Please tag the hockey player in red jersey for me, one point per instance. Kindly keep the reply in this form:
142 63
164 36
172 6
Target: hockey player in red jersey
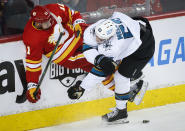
40 36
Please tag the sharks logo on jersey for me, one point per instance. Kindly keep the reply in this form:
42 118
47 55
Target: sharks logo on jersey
107 45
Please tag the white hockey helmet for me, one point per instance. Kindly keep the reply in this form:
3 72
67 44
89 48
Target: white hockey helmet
105 30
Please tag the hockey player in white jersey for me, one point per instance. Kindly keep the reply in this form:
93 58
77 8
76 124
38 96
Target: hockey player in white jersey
121 46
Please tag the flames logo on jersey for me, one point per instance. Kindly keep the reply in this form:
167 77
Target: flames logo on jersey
54 37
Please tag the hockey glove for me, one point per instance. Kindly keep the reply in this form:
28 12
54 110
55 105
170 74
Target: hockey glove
75 92
29 94
106 64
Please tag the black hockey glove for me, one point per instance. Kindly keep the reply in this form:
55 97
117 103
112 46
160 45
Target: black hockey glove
75 92
106 64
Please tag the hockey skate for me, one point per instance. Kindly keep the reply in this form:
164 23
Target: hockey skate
117 116
136 78
137 94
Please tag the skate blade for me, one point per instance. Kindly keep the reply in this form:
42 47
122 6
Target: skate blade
121 121
139 97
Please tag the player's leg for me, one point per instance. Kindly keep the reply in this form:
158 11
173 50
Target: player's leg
122 89
143 54
110 84
77 60
136 78
132 65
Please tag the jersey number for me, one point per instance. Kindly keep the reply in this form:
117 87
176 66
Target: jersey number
121 32
61 7
28 50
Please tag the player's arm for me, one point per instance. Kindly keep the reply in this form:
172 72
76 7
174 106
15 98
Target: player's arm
90 53
33 71
76 20
33 63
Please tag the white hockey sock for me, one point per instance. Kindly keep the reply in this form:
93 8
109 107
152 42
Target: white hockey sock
121 104
122 84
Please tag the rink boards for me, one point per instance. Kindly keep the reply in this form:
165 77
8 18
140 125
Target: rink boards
165 74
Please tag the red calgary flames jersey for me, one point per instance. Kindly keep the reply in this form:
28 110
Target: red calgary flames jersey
39 42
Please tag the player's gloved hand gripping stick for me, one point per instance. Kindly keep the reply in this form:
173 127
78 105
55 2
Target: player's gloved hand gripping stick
51 57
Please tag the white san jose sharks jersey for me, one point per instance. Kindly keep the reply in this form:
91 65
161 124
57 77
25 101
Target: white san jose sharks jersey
125 42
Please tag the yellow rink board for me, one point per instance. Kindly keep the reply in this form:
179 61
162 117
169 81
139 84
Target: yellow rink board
84 110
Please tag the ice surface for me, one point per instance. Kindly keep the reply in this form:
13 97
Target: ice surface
164 118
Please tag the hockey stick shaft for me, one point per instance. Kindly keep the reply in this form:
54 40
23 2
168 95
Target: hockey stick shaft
47 65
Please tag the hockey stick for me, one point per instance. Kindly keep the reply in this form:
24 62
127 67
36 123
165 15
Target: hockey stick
51 57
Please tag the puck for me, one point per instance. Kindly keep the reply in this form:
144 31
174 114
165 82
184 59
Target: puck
146 121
